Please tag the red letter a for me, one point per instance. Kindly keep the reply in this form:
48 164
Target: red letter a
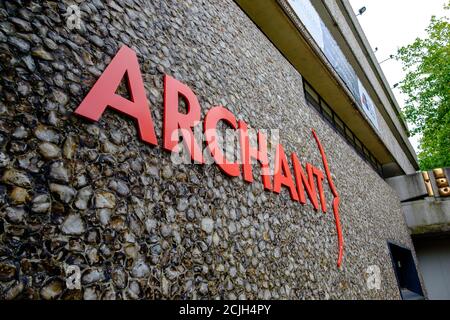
103 94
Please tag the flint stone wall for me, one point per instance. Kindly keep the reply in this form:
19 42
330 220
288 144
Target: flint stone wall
93 195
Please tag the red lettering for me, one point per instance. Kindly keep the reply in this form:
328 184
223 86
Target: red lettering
103 94
282 175
125 63
336 200
303 183
319 178
260 154
213 116
175 121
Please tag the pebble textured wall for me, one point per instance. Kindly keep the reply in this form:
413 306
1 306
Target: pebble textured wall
73 192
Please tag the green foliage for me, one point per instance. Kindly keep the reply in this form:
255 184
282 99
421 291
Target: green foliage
427 86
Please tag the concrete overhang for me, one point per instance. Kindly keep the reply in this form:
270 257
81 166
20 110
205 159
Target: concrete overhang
409 187
393 116
427 216
425 206
300 50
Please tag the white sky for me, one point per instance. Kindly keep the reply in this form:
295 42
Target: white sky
391 24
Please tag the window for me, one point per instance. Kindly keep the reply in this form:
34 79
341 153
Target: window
339 125
326 111
405 272
349 136
359 146
328 114
311 93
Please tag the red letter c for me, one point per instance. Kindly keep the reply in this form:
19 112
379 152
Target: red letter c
213 116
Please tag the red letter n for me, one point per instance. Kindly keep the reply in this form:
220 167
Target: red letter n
303 183
103 94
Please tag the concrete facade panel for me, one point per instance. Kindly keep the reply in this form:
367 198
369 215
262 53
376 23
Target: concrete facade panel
394 146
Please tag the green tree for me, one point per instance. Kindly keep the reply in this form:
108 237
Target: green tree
427 86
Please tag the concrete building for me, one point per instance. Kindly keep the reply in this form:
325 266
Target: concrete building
94 206
426 206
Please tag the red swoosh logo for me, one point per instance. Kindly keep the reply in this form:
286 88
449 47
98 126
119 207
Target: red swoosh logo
335 200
